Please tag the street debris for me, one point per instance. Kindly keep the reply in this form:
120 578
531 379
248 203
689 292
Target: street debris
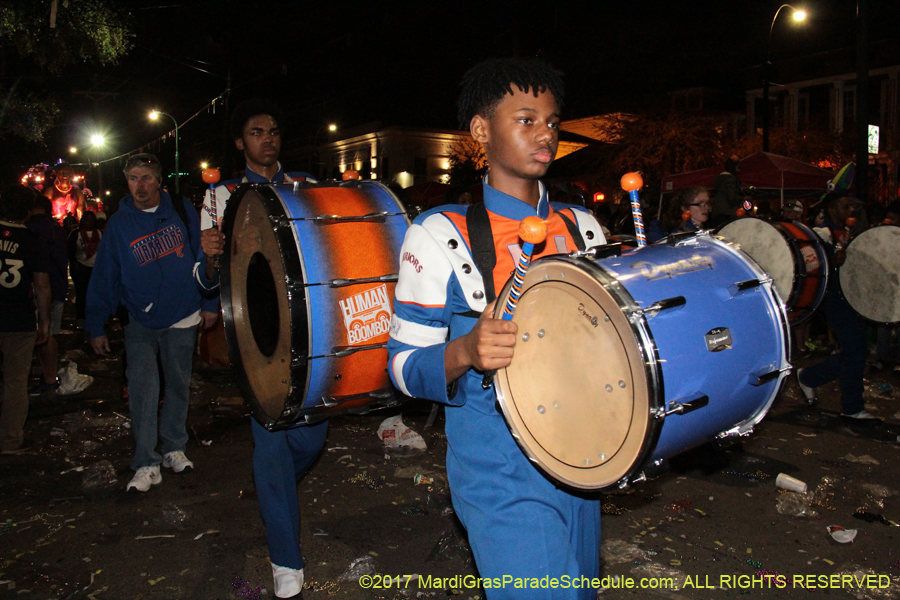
399 438
841 535
99 476
364 565
71 381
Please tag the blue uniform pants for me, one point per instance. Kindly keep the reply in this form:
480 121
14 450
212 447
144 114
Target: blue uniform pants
280 460
850 363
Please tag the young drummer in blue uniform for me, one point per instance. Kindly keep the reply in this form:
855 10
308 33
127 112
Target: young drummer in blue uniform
521 524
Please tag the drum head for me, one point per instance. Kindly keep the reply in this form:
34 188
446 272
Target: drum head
576 396
767 247
870 277
256 301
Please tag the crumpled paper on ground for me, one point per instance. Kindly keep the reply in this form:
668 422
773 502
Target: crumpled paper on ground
71 381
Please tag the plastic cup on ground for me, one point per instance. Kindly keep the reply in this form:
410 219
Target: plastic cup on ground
786 482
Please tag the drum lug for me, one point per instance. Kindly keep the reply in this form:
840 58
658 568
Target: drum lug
279 222
653 310
761 377
683 408
598 252
750 284
383 394
685 238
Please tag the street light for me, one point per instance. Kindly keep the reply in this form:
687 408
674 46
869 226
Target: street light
154 114
97 142
73 150
798 15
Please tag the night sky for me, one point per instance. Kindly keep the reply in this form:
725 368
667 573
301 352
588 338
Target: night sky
400 62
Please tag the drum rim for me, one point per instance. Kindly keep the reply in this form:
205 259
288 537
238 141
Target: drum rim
746 427
841 281
298 311
821 255
652 370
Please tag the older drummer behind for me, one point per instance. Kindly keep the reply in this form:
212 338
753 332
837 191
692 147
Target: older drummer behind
280 458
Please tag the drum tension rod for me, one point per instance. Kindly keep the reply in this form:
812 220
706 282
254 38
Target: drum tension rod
683 408
377 394
652 310
757 379
336 352
743 286
597 252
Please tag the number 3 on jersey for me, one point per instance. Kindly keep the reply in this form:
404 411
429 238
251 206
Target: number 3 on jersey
11 275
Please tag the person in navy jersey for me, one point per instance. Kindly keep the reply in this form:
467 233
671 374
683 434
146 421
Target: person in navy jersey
280 458
520 523
147 261
53 235
24 283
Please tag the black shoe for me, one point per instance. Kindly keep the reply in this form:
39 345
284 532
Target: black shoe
27 445
44 389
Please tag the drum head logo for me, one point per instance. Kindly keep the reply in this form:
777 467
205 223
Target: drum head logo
810 258
367 314
718 339
688 265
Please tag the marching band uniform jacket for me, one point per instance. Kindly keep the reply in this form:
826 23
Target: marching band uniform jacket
520 523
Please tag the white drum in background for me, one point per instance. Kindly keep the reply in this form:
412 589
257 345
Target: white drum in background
870 277
791 254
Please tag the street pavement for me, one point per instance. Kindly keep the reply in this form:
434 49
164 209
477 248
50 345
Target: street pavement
714 526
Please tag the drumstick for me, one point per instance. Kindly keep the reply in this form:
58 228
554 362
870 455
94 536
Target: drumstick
631 183
532 230
211 176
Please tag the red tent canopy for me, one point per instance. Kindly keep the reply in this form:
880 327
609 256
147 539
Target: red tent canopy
762 170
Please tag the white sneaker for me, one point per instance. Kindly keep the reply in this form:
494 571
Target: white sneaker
144 478
177 461
862 415
288 582
809 393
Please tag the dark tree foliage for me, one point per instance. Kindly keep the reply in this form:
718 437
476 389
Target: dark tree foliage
85 31
467 163
94 31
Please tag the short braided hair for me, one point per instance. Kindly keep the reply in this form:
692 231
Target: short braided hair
485 85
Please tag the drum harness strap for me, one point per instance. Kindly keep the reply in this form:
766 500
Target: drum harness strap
481 241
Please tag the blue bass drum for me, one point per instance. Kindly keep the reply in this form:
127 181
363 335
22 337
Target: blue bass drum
624 361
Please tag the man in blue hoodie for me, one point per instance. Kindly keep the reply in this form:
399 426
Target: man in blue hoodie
147 261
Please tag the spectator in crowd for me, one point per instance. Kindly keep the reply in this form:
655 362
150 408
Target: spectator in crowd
24 266
694 203
82 252
53 236
728 193
146 262
458 195
792 210
280 458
